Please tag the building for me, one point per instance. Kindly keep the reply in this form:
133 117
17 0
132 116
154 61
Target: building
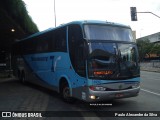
134 35
153 38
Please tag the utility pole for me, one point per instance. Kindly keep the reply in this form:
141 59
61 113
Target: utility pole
150 13
134 13
55 12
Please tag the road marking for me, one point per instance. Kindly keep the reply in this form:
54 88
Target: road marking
150 92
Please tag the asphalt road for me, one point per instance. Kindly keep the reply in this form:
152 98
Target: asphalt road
15 96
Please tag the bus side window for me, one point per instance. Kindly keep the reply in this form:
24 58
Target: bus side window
76 48
52 42
60 40
29 47
42 44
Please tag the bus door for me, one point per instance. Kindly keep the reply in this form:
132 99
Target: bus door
77 53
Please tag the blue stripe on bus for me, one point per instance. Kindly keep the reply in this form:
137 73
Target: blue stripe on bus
97 82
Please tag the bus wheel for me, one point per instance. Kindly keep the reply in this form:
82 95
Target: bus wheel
65 93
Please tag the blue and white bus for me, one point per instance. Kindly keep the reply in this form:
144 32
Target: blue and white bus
87 60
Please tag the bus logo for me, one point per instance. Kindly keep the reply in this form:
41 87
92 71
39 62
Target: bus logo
6 114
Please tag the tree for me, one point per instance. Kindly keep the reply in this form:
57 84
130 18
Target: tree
16 9
156 50
144 48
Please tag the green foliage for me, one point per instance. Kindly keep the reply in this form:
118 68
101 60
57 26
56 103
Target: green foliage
156 49
17 10
145 47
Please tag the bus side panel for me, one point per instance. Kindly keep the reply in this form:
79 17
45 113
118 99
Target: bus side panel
49 68
65 70
39 69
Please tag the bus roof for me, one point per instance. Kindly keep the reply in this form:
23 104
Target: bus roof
98 22
80 23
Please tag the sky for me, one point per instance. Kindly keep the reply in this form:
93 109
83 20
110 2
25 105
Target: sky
42 13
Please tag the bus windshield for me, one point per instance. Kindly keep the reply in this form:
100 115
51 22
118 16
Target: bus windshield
108 32
112 60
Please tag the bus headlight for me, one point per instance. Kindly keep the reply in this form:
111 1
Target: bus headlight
93 97
97 88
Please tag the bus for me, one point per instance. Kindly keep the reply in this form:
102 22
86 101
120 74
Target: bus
87 60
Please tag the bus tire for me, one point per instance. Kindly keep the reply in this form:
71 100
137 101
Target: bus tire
65 92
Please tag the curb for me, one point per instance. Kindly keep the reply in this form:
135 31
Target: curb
150 70
7 79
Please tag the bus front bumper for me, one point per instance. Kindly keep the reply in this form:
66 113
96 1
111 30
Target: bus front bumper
94 96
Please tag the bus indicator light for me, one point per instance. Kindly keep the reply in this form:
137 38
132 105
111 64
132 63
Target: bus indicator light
97 88
108 72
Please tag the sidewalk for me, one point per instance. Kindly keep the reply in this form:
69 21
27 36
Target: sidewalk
6 77
150 69
150 66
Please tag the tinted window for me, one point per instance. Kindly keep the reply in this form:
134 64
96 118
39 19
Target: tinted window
42 43
53 41
60 39
77 49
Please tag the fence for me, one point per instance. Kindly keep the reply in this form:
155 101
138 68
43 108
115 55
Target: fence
150 66
154 64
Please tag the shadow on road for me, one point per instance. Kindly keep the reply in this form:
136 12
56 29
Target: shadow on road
13 91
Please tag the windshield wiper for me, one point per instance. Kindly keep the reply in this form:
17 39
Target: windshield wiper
102 61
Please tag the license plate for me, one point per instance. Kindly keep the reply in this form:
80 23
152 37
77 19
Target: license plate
119 95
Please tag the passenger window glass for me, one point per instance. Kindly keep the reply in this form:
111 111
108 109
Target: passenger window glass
60 40
76 49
